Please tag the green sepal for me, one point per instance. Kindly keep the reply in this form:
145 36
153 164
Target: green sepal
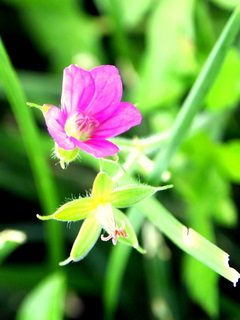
72 211
121 218
43 108
86 238
113 158
127 196
65 156
102 187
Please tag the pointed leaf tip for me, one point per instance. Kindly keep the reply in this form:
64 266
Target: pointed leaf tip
63 263
168 186
45 217
140 249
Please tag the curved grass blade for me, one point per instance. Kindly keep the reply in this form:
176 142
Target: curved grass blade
45 186
188 240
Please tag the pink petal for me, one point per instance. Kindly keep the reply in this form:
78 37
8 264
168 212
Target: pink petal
77 89
55 121
98 148
125 117
108 91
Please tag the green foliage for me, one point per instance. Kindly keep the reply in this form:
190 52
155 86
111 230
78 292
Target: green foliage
9 241
163 68
179 61
225 91
46 301
228 157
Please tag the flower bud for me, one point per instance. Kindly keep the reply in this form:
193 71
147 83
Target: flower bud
65 156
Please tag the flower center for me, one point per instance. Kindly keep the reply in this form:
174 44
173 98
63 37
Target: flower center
106 217
80 127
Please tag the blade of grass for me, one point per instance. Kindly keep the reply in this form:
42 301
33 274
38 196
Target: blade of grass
188 240
196 96
47 192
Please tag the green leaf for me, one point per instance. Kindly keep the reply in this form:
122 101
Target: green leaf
127 196
227 4
228 160
201 282
29 133
46 301
188 240
199 213
225 92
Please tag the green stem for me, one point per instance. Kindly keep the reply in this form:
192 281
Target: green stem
47 192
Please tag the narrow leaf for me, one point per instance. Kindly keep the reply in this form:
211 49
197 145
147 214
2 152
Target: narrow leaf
189 240
29 133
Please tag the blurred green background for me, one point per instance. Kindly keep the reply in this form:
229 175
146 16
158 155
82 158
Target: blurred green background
159 47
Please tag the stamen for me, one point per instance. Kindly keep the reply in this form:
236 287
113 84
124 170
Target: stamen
114 234
86 123
106 238
81 126
121 232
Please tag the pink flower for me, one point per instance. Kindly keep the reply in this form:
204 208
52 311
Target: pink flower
91 111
